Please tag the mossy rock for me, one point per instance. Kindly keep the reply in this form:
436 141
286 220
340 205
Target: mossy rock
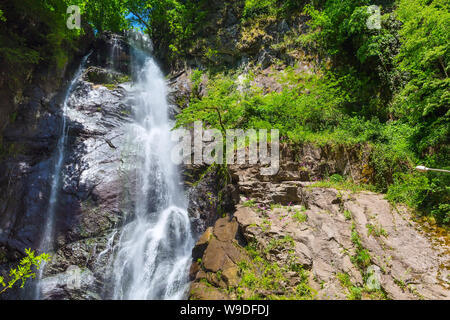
105 77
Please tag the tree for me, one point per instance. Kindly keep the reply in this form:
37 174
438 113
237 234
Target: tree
362 58
424 57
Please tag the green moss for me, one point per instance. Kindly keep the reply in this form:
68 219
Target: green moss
362 256
123 79
285 242
206 282
110 86
265 225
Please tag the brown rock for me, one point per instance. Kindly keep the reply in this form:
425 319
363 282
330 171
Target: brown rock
226 230
214 256
202 243
201 291
230 275
247 217
195 268
200 275
216 279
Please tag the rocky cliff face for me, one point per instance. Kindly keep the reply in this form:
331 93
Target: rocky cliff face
93 196
330 245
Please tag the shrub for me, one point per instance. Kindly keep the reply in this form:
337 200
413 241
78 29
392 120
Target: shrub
24 270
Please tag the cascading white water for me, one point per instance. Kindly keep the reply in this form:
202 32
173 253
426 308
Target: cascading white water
46 242
115 52
154 250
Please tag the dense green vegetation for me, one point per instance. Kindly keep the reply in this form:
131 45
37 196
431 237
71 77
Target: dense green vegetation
34 32
259 274
387 87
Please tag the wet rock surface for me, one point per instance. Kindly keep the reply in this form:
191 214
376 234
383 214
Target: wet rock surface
94 193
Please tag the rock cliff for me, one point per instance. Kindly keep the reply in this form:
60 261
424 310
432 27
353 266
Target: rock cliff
93 198
329 244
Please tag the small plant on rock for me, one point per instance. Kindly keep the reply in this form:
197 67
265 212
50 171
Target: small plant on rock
24 270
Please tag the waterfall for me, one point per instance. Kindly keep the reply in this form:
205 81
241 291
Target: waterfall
153 254
46 242
114 53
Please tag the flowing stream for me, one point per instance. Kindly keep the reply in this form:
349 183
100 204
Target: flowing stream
46 243
154 250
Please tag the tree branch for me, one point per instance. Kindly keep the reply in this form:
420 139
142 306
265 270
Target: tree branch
220 117
139 17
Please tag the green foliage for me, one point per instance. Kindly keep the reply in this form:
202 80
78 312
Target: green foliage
376 230
387 88
254 8
424 103
361 258
396 81
342 185
409 189
424 56
296 115
361 58
249 203
172 24
354 292
427 193
196 79
24 270
347 215
259 274
218 108
279 244
336 178
34 32
105 14
300 216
